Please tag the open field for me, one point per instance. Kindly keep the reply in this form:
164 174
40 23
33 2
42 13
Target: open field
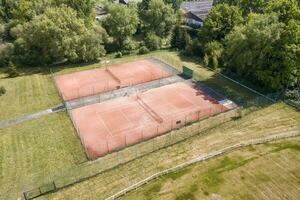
33 150
31 92
272 120
258 172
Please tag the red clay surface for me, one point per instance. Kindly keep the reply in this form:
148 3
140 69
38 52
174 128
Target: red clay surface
90 82
114 124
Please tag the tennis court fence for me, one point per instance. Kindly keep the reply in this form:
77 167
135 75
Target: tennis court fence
91 169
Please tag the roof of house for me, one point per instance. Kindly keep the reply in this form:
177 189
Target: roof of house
199 8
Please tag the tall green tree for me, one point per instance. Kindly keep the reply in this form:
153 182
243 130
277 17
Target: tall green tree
286 9
57 35
254 51
291 51
246 6
175 3
159 18
180 38
122 22
84 8
213 52
220 21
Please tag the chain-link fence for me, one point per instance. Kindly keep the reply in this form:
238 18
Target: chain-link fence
90 169
179 130
200 159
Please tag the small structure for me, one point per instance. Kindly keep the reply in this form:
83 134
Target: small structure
196 11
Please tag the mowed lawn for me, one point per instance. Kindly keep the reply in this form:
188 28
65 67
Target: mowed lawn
31 92
33 151
272 120
259 172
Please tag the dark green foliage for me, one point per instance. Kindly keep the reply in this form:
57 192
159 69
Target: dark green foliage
220 21
143 50
257 51
55 36
213 53
6 52
129 45
246 6
121 23
2 90
175 3
12 70
286 9
152 41
180 38
119 55
193 48
159 18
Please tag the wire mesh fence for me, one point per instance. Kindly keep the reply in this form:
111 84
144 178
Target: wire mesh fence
200 159
178 133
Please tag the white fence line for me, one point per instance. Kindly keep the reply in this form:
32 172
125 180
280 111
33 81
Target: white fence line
203 158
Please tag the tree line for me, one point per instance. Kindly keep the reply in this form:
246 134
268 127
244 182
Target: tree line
257 40
41 32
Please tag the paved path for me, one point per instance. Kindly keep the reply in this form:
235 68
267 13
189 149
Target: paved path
17 120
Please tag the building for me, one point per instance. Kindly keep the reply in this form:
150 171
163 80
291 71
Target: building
196 11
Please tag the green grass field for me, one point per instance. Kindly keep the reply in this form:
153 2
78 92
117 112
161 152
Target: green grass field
258 172
272 120
34 151
31 92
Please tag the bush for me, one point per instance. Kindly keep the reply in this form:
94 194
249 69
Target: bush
119 54
180 38
143 50
2 90
129 45
152 41
6 53
12 70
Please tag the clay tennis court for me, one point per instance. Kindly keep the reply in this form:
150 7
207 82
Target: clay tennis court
111 125
91 82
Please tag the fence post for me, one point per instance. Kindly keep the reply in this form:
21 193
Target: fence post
55 188
25 197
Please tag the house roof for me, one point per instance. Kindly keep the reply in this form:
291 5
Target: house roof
198 8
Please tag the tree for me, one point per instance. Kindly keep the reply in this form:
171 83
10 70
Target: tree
84 8
180 38
246 6
175 3
122 22
152 41
213 52
286 9
57 35
159 18
291 51
220 21
254 50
